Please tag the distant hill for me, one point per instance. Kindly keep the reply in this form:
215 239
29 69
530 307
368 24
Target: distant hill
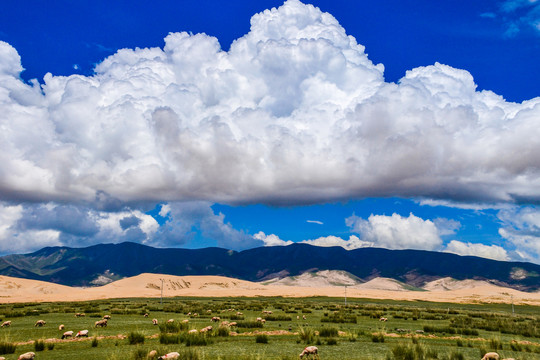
98 264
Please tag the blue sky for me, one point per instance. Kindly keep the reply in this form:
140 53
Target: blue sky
238 124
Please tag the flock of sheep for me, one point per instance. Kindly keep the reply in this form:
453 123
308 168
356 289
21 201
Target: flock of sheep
311 352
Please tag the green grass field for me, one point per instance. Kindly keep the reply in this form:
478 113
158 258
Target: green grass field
414 330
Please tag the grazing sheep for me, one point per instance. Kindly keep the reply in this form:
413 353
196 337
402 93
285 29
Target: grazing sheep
6 323
107 317
27 356
185 321
171 355
311 351
145 315
239 313
82 333
491 356
101 323
61 327
232 324
383 319
152 354
216 318
154 321
40 323
79 315
304 317
2 358
67 334
193 331
170 321
206 329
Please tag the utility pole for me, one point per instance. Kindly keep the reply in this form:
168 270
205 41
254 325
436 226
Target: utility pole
512 305
161 302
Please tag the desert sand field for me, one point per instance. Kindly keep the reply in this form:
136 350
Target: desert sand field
149 285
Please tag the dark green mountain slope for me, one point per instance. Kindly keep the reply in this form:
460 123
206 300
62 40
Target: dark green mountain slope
82 266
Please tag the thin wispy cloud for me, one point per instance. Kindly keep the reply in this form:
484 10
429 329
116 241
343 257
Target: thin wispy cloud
315 222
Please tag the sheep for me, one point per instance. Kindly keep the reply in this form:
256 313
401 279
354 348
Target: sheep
311 351
170 321
491 356
6 323
82 333
67 334
79 315
193 331
216 318
107 317
171 355
383 319
185 321
152 354
145 315
101 323
40 323
154 321
61 327
2 358
304 317
232 324
206 329
27 356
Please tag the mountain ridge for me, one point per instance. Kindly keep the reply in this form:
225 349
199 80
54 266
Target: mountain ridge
82 266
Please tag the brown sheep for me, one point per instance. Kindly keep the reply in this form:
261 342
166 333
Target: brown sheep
491 356
101 323
311 351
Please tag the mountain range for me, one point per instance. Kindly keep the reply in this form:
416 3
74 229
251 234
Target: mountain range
103 263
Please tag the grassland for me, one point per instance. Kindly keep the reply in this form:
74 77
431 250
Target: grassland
414 330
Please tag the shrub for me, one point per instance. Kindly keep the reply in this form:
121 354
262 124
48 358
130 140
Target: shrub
139 354
249 324
377 338
135 338
306 334
39 345
331 341
7 348
223 331
328 332
261 339
169 339
190 354
172 327
94 342
50 346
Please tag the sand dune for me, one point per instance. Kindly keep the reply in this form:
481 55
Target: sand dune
149 285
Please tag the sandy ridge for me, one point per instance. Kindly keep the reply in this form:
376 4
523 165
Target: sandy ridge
149 285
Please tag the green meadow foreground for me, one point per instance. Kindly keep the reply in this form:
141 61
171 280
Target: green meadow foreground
357 330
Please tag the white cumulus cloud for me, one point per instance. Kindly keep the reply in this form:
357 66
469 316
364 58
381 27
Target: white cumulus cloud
294 112
493 252
397 232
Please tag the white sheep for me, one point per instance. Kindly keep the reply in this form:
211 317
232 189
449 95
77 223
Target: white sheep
82 333
171 355
170 321
383 319
152 354
61 327
107 317
6 323
27 356
101 323
491 356
311 351
40 323
193 331
154 321
67 334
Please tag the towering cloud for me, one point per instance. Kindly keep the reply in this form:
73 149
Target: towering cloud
294 112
